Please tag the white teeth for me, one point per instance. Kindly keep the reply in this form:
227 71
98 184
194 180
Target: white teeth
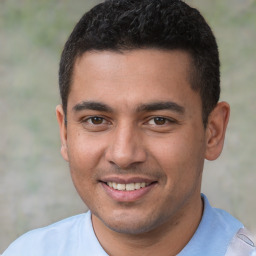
127 187
120 186
137 185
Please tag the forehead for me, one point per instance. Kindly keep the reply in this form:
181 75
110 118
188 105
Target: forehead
118 63
131 77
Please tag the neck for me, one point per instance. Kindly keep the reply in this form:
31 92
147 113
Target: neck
168 239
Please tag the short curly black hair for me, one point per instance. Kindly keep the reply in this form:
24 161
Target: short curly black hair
119 25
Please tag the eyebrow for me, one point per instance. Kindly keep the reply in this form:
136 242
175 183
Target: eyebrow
162 105
154 106
92 105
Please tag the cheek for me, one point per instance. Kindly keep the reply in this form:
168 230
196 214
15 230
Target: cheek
83 160
84 151
181 157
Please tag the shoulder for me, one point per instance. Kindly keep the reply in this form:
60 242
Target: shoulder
51 239
219 218
214 233
225 219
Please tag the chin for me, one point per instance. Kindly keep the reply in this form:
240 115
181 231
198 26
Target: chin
131 225
129 228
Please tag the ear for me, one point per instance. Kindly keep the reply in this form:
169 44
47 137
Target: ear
216 129
63 131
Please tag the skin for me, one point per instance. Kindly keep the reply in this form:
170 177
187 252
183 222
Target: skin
148 126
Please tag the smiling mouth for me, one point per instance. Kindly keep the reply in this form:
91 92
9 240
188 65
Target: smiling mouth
127 187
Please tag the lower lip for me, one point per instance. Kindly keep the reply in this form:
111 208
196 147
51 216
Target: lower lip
127 196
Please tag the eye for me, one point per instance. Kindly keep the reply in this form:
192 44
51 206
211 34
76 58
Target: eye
159 121
95 123
95 120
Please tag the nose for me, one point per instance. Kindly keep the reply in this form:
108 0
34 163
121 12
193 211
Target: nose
126 147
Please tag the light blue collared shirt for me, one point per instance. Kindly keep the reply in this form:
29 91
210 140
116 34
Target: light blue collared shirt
214 233
75 236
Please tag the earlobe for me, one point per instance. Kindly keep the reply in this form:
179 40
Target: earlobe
63 131
216 129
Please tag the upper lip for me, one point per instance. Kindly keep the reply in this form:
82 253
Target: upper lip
126 180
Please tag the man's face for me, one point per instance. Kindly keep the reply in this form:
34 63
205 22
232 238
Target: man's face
134 139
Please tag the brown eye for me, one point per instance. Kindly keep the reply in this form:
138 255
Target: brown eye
159 120
96 120
96 124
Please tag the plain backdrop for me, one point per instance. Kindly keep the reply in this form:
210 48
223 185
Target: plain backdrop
35 185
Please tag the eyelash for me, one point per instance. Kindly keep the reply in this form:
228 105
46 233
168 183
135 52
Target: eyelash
161 119
90 120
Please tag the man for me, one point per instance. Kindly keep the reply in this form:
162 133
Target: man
139 82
